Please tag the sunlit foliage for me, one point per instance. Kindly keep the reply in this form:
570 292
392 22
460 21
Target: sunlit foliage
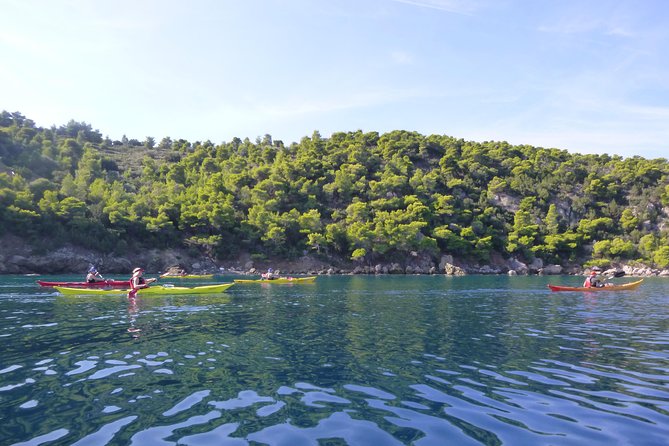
355 196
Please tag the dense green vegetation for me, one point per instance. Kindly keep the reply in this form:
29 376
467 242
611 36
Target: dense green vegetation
360 196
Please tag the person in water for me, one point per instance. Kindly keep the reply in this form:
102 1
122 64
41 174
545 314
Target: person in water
593 281
94 276
137 282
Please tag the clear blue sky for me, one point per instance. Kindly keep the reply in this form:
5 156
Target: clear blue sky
589 76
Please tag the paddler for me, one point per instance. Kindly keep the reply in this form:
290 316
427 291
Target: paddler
137 282
593 280
269 275
94 276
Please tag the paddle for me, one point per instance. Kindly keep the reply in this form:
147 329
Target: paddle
609 276
133 292
102 279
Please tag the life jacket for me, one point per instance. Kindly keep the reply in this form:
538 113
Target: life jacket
140 281
589 282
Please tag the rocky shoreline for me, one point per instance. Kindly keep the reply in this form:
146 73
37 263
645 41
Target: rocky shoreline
19 258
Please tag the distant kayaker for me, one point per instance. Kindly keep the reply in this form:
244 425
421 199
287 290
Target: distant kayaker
593 281
269 275
137 282
94 276
179 273
174 272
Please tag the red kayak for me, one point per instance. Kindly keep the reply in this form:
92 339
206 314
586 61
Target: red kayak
109 283
624 286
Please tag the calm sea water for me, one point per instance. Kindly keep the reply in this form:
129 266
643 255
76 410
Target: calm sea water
478 360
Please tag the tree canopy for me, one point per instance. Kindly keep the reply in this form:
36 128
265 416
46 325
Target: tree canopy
355 195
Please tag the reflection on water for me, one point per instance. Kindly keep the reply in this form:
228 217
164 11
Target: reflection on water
347 360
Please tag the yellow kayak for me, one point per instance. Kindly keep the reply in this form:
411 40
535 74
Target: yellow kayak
279 280
152 290
187 276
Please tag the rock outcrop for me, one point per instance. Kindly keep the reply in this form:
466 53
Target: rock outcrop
18 257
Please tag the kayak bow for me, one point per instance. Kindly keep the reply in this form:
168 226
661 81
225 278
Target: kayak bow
152 290
625 286
108 283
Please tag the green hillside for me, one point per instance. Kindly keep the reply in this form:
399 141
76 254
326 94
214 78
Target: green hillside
362 196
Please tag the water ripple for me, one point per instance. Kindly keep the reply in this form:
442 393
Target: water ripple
422 361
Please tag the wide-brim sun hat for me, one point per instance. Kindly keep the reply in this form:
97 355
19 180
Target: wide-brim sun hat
137 270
